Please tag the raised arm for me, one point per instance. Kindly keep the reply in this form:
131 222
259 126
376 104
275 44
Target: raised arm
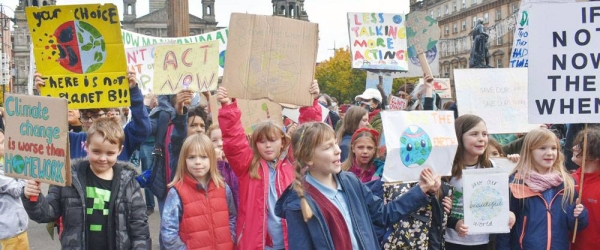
235 145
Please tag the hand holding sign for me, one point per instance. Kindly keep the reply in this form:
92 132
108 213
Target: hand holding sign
423 34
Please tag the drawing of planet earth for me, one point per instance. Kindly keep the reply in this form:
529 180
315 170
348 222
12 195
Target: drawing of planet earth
429 54
18 164
485 203
81 47
415 146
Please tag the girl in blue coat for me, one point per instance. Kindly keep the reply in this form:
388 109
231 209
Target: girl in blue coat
542 197
326 208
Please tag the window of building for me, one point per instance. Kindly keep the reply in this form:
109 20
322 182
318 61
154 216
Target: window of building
454 7
431 13
439 12
464 4
474 2
464 25
499 40
499 63
455 28
514 7
447 11
447 30
498 14
474 21
486 17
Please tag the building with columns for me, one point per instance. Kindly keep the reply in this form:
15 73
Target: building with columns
290 8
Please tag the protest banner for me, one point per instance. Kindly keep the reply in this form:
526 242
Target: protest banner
373 81
485 200
275 58
187 66
79 52
414 66
441 86
134 40
504 163
519 58
378 41
397 103
416 140
141 60
497 95
36 143
565 60
423 34
253 112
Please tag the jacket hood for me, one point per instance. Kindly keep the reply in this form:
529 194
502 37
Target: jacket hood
289 200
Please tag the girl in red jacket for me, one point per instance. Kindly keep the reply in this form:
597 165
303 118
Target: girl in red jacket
199 210
264 169
590 237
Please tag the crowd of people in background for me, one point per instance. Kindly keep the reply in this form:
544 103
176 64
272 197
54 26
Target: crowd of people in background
314 184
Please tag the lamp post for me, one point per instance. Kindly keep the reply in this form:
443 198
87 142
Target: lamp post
5 76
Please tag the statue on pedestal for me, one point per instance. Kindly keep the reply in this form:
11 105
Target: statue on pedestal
480 56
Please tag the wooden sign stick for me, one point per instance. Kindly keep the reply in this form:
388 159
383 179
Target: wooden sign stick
585 133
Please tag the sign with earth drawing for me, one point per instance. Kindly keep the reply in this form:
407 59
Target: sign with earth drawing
417 140
79 51
485 200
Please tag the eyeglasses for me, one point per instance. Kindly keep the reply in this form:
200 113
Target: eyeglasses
91 117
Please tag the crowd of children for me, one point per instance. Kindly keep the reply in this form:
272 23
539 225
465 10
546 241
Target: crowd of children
291 187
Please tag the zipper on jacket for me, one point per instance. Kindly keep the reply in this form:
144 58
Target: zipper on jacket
549 216
523 231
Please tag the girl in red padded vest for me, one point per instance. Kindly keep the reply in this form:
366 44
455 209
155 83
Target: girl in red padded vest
199 211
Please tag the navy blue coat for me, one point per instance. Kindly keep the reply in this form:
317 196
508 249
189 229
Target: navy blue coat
365 208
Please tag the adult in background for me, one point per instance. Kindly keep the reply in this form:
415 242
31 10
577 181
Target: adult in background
371 100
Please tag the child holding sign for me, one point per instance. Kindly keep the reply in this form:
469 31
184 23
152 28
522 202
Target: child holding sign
115 217
542 197
13 226
199 210
327 208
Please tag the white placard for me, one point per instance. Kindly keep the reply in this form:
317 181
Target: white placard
497 95
485 197
564 60
416 140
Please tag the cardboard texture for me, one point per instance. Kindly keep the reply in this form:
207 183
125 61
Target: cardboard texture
36 142
270 57
253 112
80 55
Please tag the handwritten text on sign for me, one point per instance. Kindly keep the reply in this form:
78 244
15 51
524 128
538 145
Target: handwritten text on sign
378 41
485 198
79 50
188 66
565 59
36 139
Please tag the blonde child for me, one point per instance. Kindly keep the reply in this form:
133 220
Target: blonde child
327 208
199 209
216 137
264 169
13 226
542 197
362 159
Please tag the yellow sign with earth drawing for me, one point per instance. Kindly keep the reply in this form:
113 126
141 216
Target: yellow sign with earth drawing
79 51
186 66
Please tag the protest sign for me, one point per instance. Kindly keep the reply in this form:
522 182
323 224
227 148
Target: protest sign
441 86
423 34
36 142
275 58
564 63
485 200
416 140
378 41
397 103
141 60
253 112
497 95
134 40
414 66
504 163
373 81
187 66
79 52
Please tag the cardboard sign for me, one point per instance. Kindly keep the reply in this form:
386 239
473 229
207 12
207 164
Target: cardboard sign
36 142
397 103
253 112
271 57
373 81
187 66
485 197
416 140
79 52
134 40
422 32
414 66
564 63
497 95
378 41
441 86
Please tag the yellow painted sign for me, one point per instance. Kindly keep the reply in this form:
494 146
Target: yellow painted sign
186 66
79 51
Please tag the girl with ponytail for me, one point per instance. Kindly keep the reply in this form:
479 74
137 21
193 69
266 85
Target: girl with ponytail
327 208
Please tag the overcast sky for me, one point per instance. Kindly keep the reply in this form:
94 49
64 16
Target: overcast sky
329 14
